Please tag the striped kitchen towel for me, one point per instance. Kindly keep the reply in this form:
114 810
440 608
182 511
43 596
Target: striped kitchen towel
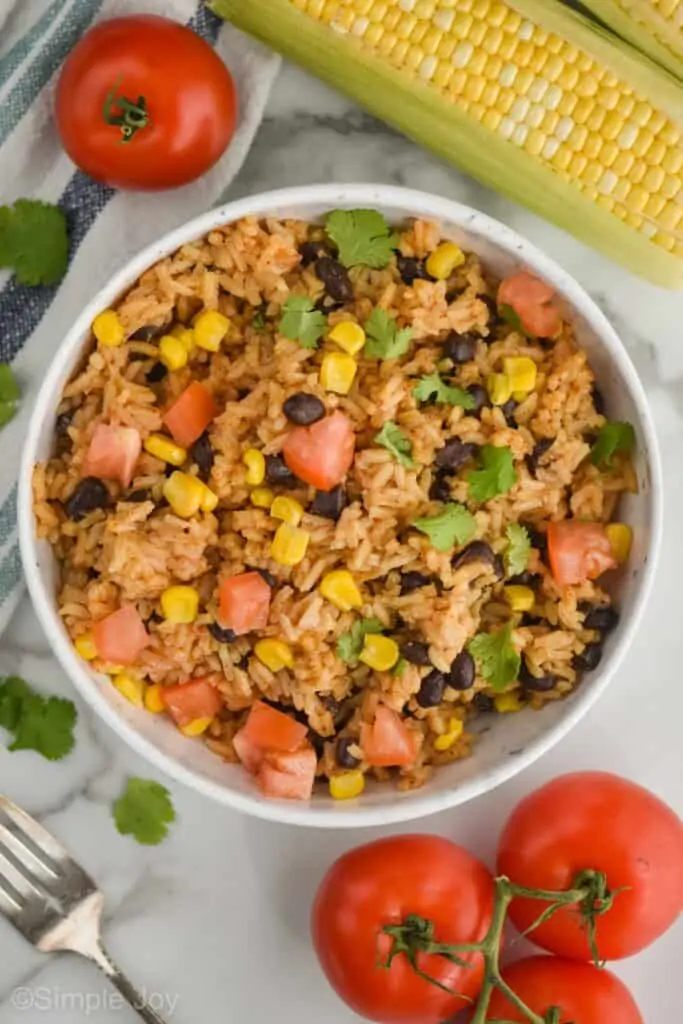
106 226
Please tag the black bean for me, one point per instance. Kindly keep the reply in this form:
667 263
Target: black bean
476 551
492 307
461 348
462 671
440 488
141 494
481 398
63 422
330 504
524 579
263 573
528 619
343 716
598 400
277 472
312 251
148 332
344 757
540 448
243 662
535 684
601 617
537 538
202 454
508 411
411 269
454 454
431 690
169 470
156 374
589 658
87 496
336 279
303 409
415 652
222 633
483 703
412 580
498 567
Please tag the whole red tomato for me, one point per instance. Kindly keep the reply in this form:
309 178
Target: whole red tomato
583 993
144 103
382 884
594 820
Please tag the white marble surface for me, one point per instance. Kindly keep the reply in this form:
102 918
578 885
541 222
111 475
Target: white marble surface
214 921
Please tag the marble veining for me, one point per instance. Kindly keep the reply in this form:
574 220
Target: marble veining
213 923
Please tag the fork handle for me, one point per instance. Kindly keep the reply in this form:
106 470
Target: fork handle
125 987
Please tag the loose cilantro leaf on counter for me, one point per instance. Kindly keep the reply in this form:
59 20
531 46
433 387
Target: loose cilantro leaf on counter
144 811
455 525
385 340
43 724
350 644
34 241
9 394
496 656
302 322
496 475
362 237
518 549
432 387
395 441
613 438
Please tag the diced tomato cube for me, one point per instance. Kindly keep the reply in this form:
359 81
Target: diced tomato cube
388 742
273 730
321 454
578 551
121 637
190 415
250 754
533 301
244 602
289 776
113 453
186 702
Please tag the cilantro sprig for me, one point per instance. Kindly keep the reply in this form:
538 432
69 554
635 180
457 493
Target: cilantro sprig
34 241
518 550
385 339
350 644
613 438
496 656
43 724
9 394
302 322
454 525
144 811
496 474
395 441
362 237
432 388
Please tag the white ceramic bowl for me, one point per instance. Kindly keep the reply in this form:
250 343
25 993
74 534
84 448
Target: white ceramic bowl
508 743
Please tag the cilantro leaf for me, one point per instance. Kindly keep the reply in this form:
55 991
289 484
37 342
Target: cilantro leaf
144 811
350 644
43 724
518 549
455 525
399 668
302 322
496 476
614 437
9 394
13 693
395 441
34 241
510 316
497 659
431 386
385 340
362 237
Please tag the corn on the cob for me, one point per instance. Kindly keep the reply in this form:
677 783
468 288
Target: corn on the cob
544 105
653 26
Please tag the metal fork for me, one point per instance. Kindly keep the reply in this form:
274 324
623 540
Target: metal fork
52 901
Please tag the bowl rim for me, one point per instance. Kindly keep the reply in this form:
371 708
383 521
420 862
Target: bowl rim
415 203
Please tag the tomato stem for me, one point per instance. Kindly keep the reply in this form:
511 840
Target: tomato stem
126 114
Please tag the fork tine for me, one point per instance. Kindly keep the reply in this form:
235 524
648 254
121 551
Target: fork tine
39 837
22 885
24 854
10 901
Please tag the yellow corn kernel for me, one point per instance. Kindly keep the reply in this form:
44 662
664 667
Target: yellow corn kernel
349 336
499 388
210 328
442 262
289 545
180 604
340 589
506 702
130 687
337 372
347 786
153 699
379 652
165 449
184 493
196 728
209 499
262 497
520 599
274 654
455 729
521 371
620 537
184 334
255 462
85 647
172 352
108 329
287 509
